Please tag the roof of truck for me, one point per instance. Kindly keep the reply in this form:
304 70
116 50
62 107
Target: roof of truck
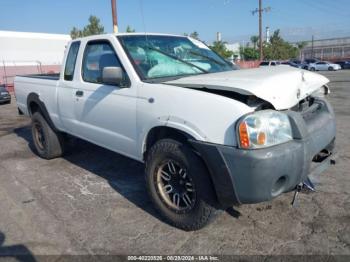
145 33
123 34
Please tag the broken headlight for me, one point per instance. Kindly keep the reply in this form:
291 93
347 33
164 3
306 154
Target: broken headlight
321 92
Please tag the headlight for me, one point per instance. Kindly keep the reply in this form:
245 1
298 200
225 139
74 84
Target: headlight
263 129
4 93
322 91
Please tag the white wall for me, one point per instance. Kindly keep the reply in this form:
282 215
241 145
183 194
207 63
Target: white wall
234 48
21 48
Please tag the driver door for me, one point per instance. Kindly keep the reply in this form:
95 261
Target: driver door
106 114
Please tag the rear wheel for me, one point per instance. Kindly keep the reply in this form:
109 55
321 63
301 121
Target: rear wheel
179 185
48 143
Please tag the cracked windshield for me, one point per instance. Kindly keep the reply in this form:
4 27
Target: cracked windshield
169 56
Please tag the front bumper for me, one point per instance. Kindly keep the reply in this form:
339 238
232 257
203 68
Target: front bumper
251 176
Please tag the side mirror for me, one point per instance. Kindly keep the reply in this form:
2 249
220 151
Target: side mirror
112 75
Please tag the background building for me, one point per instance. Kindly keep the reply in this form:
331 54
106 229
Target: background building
234 47
30 53
327 49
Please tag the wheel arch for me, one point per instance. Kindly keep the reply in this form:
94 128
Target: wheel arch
34 104
161 132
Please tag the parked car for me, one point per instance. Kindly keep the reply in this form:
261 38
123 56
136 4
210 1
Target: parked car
344 64
5 96
210 136
299 64
303 65
285 63
324 66
311 60
296 64
269 63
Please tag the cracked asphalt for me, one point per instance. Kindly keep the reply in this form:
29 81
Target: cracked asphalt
93 201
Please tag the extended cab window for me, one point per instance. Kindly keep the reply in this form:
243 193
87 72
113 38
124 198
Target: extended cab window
71 59
98 55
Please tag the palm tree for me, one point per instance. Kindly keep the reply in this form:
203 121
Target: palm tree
301 46
254 39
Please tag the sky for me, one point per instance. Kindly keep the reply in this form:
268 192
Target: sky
298 20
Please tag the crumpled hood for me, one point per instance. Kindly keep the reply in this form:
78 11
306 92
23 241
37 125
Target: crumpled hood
282 86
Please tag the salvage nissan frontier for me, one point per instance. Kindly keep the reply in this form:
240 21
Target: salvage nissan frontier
210 136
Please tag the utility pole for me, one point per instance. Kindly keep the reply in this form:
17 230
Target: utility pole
260 10
114 16
260 31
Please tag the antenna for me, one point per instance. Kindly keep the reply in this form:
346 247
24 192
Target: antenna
142 16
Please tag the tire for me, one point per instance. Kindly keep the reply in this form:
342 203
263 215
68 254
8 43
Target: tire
197 211
48 143
330 68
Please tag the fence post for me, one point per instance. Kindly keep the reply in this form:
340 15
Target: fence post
5 77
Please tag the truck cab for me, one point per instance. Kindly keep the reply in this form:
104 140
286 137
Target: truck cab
210 136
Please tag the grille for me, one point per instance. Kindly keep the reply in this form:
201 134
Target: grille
308 107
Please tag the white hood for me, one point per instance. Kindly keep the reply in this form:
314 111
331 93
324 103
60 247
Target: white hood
282 86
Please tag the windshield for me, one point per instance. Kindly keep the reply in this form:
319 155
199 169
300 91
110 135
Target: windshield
155 56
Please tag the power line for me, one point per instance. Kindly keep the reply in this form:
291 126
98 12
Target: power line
326 8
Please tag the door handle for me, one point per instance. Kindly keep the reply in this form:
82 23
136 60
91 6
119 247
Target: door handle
79 93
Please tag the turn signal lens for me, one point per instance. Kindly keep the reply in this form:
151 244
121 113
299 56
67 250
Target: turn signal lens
243 135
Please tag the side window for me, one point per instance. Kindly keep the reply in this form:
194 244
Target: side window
98 55
71 59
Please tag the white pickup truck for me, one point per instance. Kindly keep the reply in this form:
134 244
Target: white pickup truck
210 136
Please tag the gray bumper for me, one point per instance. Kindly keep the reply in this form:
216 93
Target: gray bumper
251 176
4 99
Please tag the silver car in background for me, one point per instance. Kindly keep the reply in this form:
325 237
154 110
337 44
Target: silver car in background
324 66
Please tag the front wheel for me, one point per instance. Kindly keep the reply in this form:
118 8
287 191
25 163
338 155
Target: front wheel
312 69
179 185
330 68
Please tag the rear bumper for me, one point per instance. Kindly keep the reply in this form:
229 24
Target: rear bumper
4 99
251 176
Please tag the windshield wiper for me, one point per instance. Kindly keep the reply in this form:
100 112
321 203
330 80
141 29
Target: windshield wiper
207 57
178 59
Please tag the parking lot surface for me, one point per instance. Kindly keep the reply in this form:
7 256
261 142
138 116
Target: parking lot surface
93 201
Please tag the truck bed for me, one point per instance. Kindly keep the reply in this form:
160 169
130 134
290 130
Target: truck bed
43 84
43 76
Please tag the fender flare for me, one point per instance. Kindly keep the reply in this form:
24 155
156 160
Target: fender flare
34 98
178 124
